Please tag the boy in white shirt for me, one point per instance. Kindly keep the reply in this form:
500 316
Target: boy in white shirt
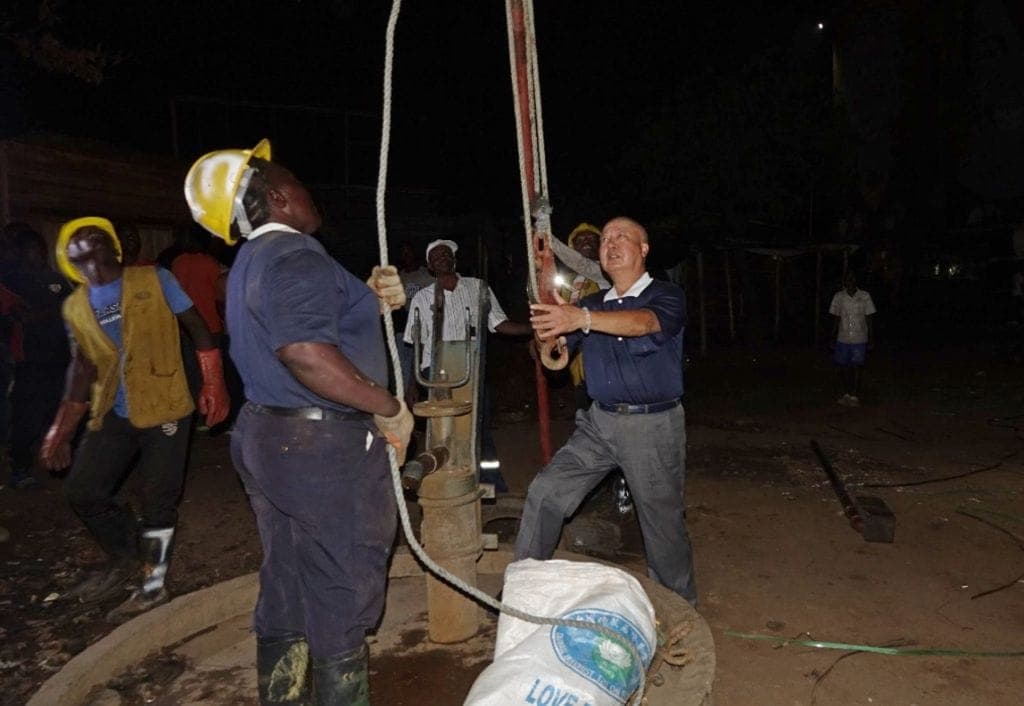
853 309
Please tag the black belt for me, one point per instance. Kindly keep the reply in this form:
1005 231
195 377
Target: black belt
623 408
317 414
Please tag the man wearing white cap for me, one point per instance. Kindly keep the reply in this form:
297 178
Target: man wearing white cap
460 293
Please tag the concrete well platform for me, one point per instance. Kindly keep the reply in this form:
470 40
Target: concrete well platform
199 649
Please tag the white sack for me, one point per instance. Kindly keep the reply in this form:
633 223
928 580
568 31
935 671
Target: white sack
543 665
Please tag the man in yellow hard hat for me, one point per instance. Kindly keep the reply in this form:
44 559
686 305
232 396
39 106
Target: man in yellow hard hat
579 254
310 441
127 370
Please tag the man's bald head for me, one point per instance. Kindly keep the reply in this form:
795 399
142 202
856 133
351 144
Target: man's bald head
629 223
623 250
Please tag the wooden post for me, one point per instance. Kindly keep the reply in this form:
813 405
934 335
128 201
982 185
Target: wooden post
778 294
703 321
728 297
817 299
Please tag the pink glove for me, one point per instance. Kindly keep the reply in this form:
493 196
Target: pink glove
214 401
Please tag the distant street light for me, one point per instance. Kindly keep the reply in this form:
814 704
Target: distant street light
821 26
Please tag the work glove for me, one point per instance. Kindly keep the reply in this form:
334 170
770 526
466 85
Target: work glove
396 430
214 401
387 285
55 452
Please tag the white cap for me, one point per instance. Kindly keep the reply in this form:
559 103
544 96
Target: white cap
450 244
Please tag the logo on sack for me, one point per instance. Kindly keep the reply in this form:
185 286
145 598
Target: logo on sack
598 658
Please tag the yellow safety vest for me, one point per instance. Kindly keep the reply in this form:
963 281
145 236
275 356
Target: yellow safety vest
149 360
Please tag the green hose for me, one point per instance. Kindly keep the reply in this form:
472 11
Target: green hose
917 651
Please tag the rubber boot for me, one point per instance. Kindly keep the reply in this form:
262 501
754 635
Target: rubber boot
109 581
116 532
155 552
282 671
342 680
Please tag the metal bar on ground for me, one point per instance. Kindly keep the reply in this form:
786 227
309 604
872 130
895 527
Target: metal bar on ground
849 507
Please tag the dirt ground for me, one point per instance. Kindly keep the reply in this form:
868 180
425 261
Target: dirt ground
775 555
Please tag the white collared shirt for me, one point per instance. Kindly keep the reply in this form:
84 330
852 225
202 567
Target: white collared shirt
639 286
267 228
853 312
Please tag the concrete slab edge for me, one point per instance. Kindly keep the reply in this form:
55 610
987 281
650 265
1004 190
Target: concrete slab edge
130 643
192 613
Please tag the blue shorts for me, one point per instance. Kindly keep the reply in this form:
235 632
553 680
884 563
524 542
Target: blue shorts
849 354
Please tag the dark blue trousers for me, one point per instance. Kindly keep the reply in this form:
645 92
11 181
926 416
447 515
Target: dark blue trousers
322 496
104 458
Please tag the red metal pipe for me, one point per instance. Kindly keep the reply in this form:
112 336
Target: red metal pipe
523 82
543 412
542 258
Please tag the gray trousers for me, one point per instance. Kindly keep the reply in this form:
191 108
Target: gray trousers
651 451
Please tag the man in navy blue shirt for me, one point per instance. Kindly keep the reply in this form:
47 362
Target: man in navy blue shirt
631 336
310 442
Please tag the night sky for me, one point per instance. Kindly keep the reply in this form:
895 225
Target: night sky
705 112
606 69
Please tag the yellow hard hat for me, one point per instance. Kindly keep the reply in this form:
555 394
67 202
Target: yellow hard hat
64 237
212 189
584 228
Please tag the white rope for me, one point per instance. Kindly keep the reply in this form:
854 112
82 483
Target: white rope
531 103
532 289
542 206
396 480
536 103
382 180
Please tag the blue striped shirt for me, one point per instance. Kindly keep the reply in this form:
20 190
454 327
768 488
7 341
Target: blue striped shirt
460 305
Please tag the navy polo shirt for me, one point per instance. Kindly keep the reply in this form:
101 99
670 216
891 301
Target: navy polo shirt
638 369
284 288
